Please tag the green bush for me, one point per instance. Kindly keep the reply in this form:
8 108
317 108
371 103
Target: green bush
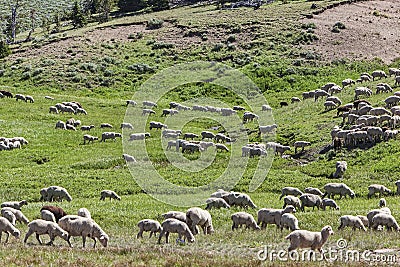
4 49
154 24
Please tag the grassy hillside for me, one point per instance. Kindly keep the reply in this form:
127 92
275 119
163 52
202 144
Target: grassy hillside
101 66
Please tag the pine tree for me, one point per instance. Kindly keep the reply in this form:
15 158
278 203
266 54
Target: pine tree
4 49
77 16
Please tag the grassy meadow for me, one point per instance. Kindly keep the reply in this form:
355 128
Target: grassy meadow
101 66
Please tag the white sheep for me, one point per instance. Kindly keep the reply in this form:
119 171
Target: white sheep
85 227
53 109
291 200
329 105
364 220
377 188
351 221
341 167
310 200
20 97
272 216
8 228
362 91
253 151
197 216
43 227
47 216
81 111
384 219
327 202
175 226
308 95
289 221
138 136
207 134
379 111
147 225
58 193
131 102
267 129
18 214
347 82
171 112
84 212
14 204
110 194
89 138
308 239
126 125
266 107
181 216
128 158
290 191
157 125
216 202
382 203
148 111
239 199
228 112
105 125
109 135
320 93
392 101
378 74
206 145
332 189
243 218
301 144
61 125
149 104
9 216
220 193
374 212
221 147
313 190
250 116
394 71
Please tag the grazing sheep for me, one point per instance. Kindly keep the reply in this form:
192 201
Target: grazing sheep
267 129
6 93
392 101
239 199
138 136
382 203
266 108
8 228
175 226
9 216
128 158
364 220
310 200
19 216
85 227
190 136
377 188
14 204
84 212
307 239
81 111
347 82
47 216
289 221
301 144
341 167
332 189
126 125
378 74
157 125
291 200
250 116
53 109
374 212
207 134
320 93
110 194
390 134
171 112
312 190
330 105
240 218
295 100
221 147
252 152
89 138
327 202
238 108
362 91
149 104
43 227
351 221
190 147
384 219
148 111
87 127
290 191
181 216
70 127
131 102
221 137
109 135
308 95
105 125
216 202
197 216
228 112
57 193
147 225
20 97
61 125
272 216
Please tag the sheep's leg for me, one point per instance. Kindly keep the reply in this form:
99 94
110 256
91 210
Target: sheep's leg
140 234
52 237
28 234
151 233
38 239
166 237
8 235
83 241
160 236
234 226
94 244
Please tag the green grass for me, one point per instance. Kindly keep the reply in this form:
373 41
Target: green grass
101 76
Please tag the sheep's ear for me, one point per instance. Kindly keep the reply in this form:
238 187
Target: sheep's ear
102 237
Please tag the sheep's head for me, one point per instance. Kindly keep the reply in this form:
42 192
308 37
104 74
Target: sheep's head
328 230
289 209
23 202
16 233
104 240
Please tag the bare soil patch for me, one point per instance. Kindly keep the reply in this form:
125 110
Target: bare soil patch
372 31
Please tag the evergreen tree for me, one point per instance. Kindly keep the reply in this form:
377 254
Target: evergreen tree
77 16
4 49
131 5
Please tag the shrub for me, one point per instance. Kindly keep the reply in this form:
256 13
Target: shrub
140 68
339 25
4 49
161 45
154 24
231 39
217 47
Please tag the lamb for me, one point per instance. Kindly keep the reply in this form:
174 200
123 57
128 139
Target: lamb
384 219
19 216
377 188
290 191
89 138
378 74
347 82
42 227
84 212
240 218
87 127
272 216
301 144
8 228
310 200
53 109
341 167
147 225
14 204
239 199
20 97
207 134
267 129
58 193
308 95
61 125
105 125
289 221
157 125
351 221
371 214
332 189
181 216
149 104
171 143
327 202
295 100
126 125
138 136
215 202
312 190
9 216
47 216
109 135
291 200
221 147
128 158
382 203
81 111
175 226
110 194
197 216
307 239
57 211
85 227
148 111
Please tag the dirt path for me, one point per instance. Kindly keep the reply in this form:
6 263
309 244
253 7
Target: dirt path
372 30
